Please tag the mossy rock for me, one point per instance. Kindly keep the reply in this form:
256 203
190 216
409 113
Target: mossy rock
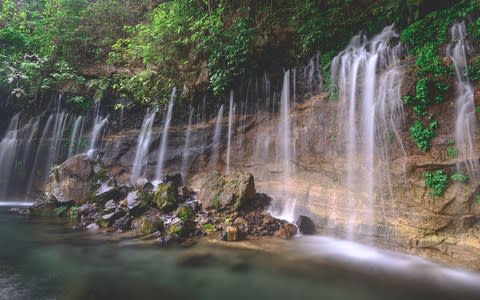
181 228
151 224
166 197
227 192
186 213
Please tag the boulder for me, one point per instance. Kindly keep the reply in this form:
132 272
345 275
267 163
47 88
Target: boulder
151 224
223 192
143 184
105 192
123 223
185 213
175 178
180 228
73 180
166 197
286 231
306 225
232 234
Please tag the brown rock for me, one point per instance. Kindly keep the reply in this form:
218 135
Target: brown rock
232 234
286 231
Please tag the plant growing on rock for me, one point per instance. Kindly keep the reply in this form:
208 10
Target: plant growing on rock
459 177
423 135
437 181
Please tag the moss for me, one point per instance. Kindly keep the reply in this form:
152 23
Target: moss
151 224
60 211
166 197
175 230
186 213
73 213
209 228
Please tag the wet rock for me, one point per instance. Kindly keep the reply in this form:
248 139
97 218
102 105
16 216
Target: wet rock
105 192
222 192
92 227
185 213
110 205
143 184
184 193
232 234
43 208
135 204
108 219
286 231
123 223
166 197
180 227
151 224
306 225
174 178
73 180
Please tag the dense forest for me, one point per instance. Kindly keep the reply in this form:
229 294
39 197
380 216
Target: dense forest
137 49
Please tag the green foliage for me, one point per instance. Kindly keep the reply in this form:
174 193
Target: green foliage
209 228
186 213
423 135
452 151
60 211
437 181
477 198
459 177
74 212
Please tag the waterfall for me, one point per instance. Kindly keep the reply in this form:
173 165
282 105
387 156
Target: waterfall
35 167
216 141
143 144
98 124
8 147
75 136
286 209
312 75
164 141
186 147
368 76
229 140
465 123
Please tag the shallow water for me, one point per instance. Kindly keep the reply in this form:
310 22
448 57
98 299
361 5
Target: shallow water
44 259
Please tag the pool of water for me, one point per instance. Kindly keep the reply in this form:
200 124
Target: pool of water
45 259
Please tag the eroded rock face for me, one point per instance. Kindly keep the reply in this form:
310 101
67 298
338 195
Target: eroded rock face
73 180
222 192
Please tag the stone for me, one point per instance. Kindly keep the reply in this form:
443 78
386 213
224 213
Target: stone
108 219
151 224
286 231
73 180
180 228
306 225
184 193
105 192
185 213
175 178
232 234
223 192
135 204
166 197
143 184
110 205
92 227
123 223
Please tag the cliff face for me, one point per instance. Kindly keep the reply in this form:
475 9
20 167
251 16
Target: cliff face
404 211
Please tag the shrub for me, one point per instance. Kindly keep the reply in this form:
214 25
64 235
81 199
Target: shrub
437 181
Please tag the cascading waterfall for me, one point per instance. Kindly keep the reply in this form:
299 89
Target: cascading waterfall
312 75
164 140
229 138
8 147
143 145
286 210
465 123
186 147
368 78
216 141
76 135
98 125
